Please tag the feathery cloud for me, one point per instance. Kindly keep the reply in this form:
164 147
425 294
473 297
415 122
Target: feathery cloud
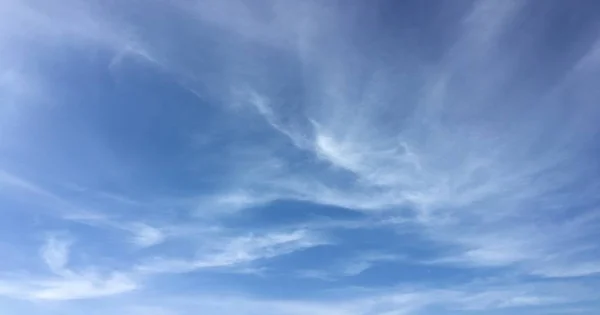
458 142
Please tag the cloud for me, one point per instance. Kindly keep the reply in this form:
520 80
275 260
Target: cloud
145 235
235 252
467 179
56 254
402 301
350 267
471 181
579 269
82 286
14 182
229 202
65 283
466 146
32 31
68 23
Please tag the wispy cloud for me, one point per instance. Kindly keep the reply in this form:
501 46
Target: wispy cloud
11 182
56 255
392 301
471 186
350 267
66 283
145 235
461 139
238 251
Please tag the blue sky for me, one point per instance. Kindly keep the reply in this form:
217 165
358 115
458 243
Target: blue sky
299 157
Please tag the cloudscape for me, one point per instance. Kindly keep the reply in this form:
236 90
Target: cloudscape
290 157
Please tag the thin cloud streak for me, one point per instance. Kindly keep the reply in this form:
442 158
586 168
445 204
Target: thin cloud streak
65 283
477 153
449 173
235 252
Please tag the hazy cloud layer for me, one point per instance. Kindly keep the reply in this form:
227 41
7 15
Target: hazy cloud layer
282 157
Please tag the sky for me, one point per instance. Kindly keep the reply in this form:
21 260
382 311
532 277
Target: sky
278 157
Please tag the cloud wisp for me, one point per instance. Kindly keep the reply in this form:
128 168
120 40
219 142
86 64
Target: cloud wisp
65 283
236 252
299 157
472 166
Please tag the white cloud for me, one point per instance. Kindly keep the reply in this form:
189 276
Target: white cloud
81 286
479 190
396 301
460 159
568 269
235 252
32 30
229 202
349 267
11 182
65 283
146 235
68 23
55 254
